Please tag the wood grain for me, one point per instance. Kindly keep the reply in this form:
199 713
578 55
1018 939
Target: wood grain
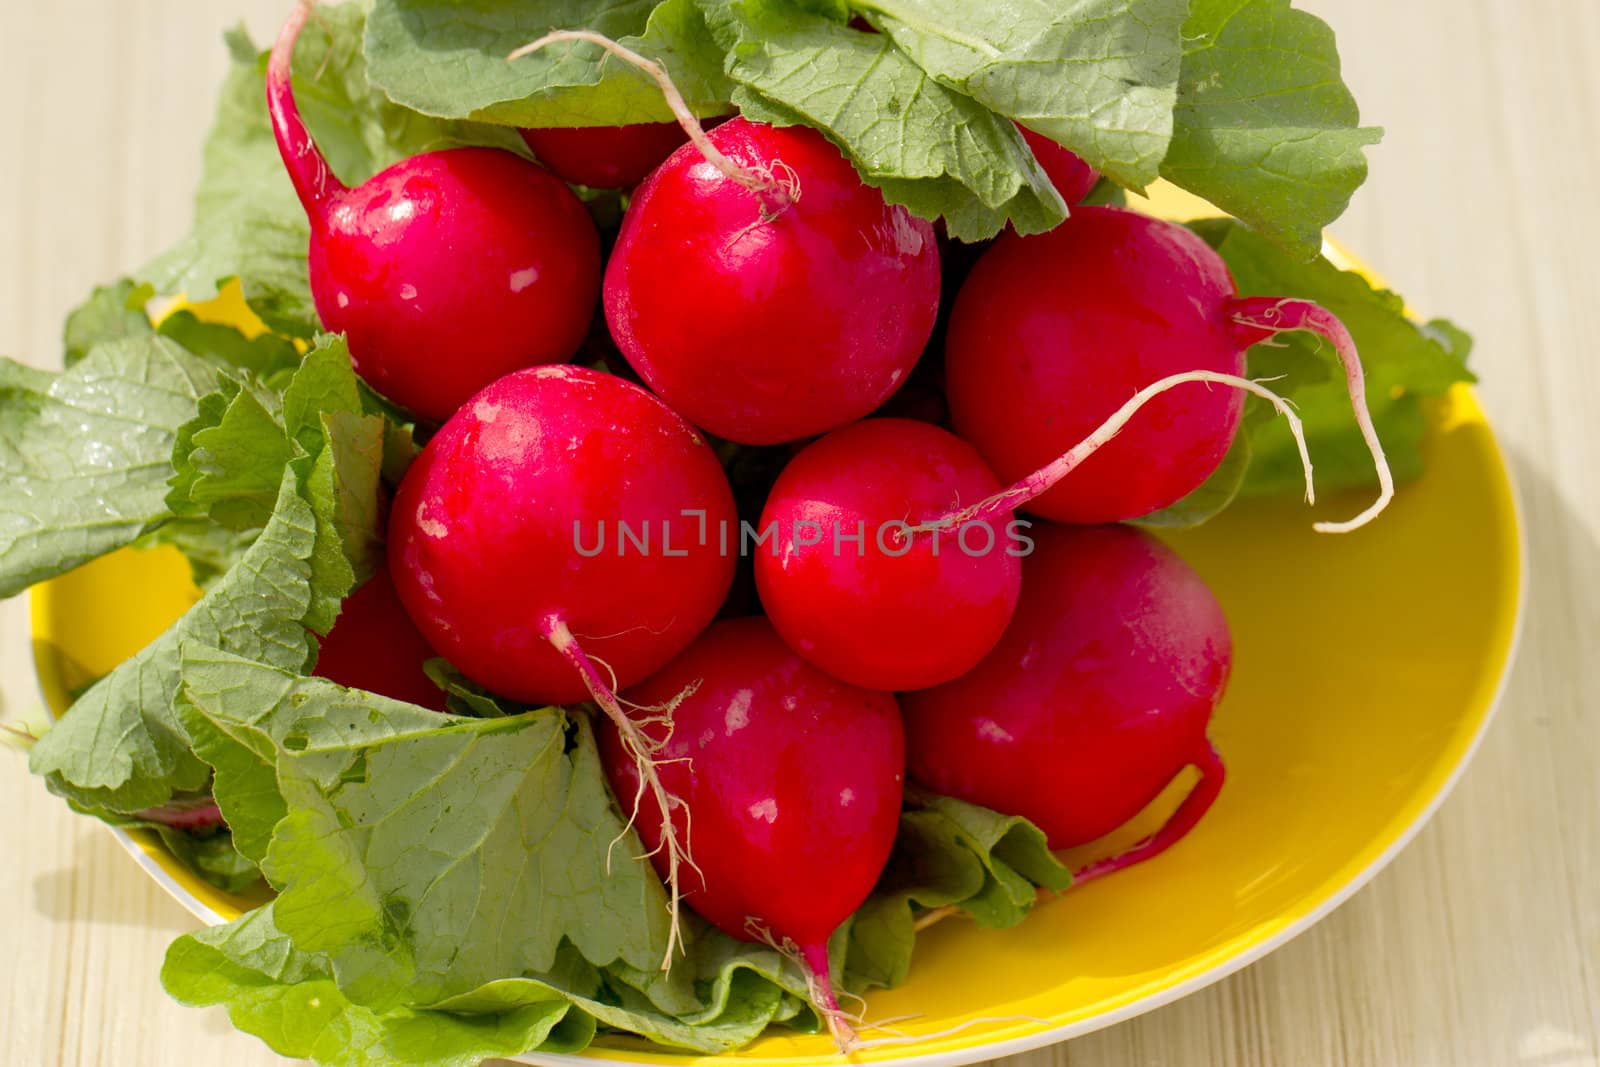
1479 946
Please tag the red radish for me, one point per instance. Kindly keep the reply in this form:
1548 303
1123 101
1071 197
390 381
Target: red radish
822 304
1072 177
374 646
445 271
604 157
511 520
790 783
1050 333
803 263
559 538
848 586
1096 697
934 582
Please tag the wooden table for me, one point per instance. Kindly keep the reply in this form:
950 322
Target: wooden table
1479 946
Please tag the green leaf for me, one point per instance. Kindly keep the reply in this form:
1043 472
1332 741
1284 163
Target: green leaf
288 998
112 313
447 58
947 853
265 355
1212 496
248 223
1265 127
212 857
346 497
1097 76
122 747
428 854
230 459
211 549
85 456
236 465
928 147
465 697
1404 362
325 382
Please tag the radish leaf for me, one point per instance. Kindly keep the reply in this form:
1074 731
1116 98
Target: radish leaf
1266 128
1097 76
448 59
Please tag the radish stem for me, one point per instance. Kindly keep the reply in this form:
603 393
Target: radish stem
1041 481
314 182
774 192
198 814
1260 317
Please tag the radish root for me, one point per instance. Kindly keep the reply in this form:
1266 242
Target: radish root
1175 829
1259 317
812 960
1046 478
645 755
776 185
900 1037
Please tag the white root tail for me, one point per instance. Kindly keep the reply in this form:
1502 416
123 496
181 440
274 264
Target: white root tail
900 1037
776 185
1047 477
812 961
645 754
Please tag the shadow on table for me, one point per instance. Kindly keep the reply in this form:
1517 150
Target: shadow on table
103 886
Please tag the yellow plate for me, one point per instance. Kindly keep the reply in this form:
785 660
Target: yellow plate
1366 670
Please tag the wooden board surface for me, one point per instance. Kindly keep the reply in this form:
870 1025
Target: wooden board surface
1479 946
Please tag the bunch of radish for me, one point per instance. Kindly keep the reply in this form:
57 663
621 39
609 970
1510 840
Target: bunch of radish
568 536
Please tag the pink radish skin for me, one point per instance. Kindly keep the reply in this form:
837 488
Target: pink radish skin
445 271
483 545
898 612
1072 177
374 646
495 546
1051 333
791 785
604 157
1099 693
824 294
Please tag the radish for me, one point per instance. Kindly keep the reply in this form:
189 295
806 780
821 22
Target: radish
604 157
822 294
1096 697
445 271
1072 177
931 584
559 538
791 782
849 587
374 646
1051 332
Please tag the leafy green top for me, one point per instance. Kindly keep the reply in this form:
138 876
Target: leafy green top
1238 101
